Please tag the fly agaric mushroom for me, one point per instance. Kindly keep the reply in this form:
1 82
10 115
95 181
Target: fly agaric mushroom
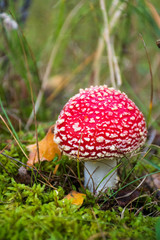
100 125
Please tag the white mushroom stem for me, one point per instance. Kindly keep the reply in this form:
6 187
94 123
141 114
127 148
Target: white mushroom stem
95 172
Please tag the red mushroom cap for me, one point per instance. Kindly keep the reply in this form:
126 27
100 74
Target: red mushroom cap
100 122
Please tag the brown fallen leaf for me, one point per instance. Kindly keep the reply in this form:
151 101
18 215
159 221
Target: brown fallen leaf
47 149
76 197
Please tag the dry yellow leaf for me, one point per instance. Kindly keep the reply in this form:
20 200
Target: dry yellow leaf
154 13
76 197
47 149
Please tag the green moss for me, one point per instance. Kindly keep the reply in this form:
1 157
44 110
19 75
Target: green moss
48 221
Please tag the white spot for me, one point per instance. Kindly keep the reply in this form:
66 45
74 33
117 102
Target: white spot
62 129
139 124
92 120
83 110
107 134
110 114
120 127
100 155
76 128
114 108
141 133
81 90
104 152
55 131
100 99
76 146
99 148
87 139
122 135
58 140
89 147
81 148
120 105
74 152
114 135
114 121
60 121
85 154
134 135
66 148
68 114
64 137
100 139
112 148
130 108
132 118
93 154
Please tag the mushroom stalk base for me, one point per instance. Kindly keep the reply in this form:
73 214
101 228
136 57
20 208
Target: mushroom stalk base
95 172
